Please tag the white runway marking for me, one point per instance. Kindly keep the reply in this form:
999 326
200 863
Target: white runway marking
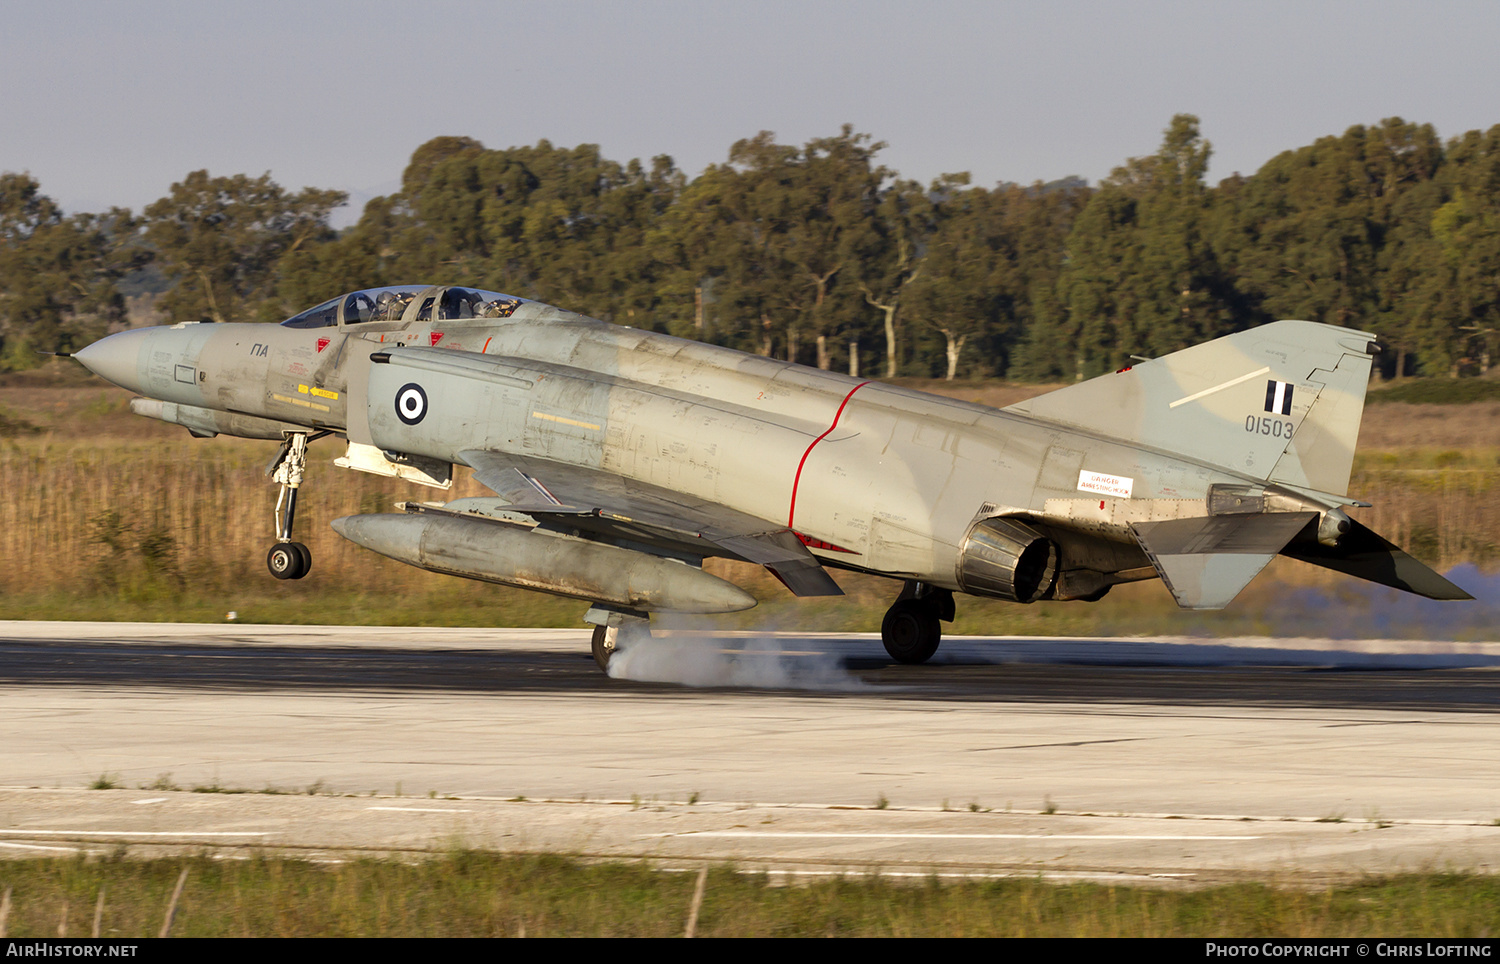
809 835
947 874
15 832
23 846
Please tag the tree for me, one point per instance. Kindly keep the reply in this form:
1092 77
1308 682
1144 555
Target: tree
57 274
1142 273
955 294
905 222
221 241
776 235
1307 235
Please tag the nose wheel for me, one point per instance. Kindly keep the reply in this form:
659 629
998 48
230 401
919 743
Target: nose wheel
288 559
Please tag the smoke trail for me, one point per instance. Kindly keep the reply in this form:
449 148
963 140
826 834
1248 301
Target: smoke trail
1238 651
1358 610
735 660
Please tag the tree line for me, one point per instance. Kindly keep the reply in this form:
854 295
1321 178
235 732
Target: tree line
819 254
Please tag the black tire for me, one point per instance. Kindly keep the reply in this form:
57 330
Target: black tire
604 646
911 631
306 556
609 640
284 561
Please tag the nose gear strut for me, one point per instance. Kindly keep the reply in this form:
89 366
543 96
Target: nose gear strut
288 559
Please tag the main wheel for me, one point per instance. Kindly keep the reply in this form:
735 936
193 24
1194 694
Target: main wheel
605 638
284 561
609 640
911 631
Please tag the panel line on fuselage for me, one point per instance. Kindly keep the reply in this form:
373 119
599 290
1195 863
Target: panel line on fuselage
791 512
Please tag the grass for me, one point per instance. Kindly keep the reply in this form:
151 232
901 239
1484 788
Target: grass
12 425
475 894
1438 391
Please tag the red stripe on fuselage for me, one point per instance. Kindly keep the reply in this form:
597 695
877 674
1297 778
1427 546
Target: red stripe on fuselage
791 512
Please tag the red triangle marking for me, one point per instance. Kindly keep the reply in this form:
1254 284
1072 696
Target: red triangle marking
812 543
322 343
436 337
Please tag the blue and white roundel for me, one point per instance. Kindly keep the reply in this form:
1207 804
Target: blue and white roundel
411 403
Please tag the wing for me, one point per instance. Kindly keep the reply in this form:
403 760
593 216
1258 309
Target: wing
636 513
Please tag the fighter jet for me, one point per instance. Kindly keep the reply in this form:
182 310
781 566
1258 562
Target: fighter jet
620 459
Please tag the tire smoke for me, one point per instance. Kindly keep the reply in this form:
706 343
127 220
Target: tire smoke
734 660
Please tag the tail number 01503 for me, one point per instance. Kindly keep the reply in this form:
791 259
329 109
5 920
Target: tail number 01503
1274 427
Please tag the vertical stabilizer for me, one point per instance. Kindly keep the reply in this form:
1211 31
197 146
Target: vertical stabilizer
1281 402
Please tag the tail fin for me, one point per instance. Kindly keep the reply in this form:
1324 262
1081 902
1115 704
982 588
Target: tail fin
1281 403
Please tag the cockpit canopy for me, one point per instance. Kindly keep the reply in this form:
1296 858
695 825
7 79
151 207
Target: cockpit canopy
407 303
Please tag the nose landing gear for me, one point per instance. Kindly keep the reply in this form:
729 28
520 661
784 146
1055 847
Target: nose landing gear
288 559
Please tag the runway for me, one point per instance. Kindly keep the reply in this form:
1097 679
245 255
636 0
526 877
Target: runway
1165 759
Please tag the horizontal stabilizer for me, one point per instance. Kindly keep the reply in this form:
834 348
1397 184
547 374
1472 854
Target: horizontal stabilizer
1206 561
1365 555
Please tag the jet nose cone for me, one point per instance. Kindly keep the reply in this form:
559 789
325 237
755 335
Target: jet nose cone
117 357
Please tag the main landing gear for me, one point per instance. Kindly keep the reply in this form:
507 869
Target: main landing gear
288 559
912 627
614 631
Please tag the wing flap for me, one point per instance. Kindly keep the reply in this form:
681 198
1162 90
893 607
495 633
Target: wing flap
787 558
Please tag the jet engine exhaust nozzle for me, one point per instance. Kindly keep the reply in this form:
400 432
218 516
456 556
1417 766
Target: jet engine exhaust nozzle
1003 558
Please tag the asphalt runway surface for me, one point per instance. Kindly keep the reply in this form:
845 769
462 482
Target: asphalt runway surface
1160 759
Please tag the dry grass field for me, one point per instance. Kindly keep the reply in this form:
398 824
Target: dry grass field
488 895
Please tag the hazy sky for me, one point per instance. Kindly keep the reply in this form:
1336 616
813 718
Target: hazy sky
108 103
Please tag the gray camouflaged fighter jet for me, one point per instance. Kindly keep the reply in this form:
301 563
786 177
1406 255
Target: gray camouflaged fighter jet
621 458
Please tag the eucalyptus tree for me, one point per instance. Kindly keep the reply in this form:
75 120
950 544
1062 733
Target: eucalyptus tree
1307 234
778 234
1462 260
956 294
904 222
565 225
58 273
221 241
1142 273
1028 229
